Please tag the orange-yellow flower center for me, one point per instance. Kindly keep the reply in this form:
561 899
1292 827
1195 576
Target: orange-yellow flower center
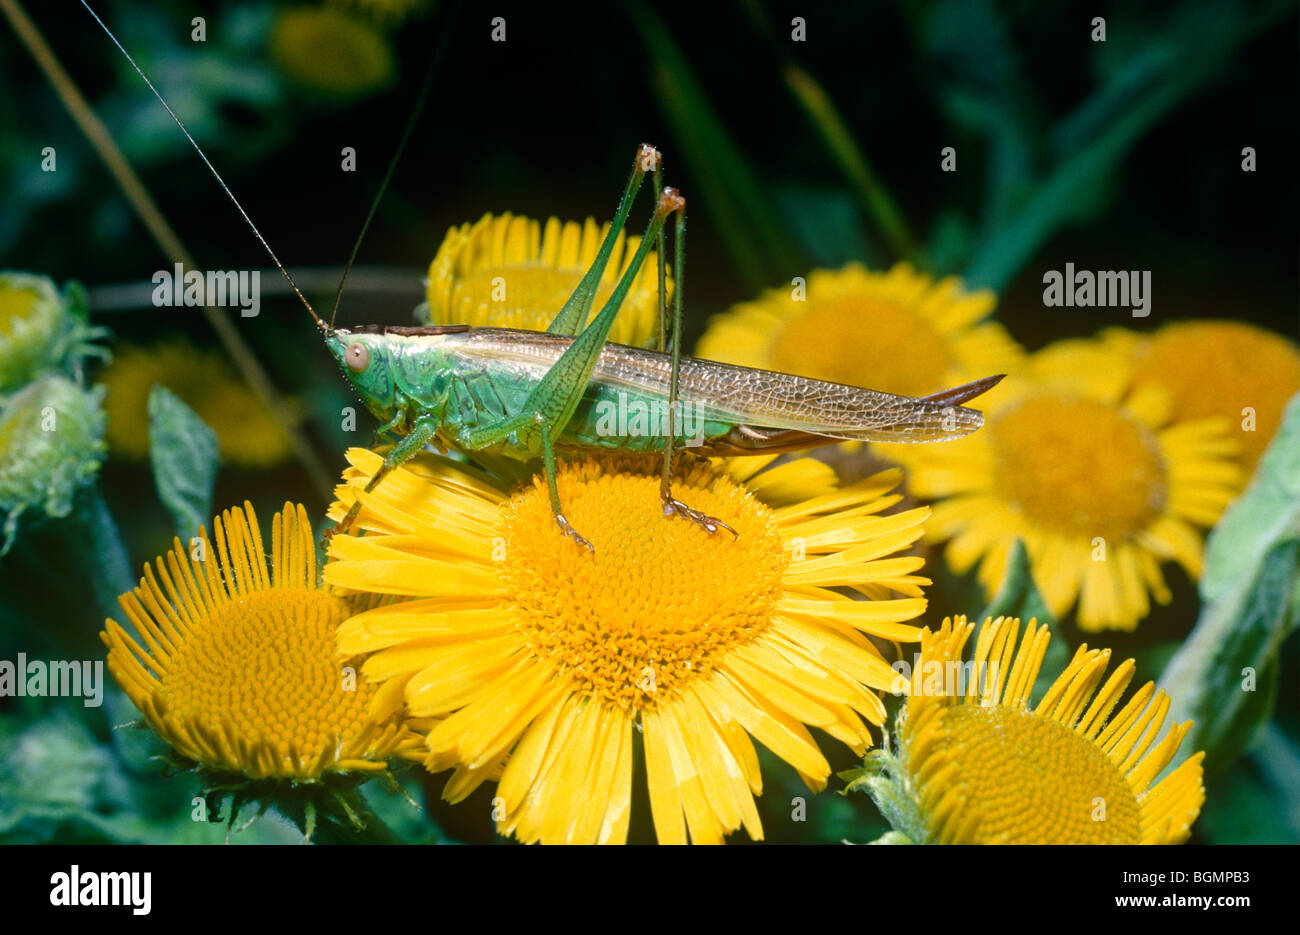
523 296
660 600
247 433
883 345
1079 466
266 669
1034 780
1229 369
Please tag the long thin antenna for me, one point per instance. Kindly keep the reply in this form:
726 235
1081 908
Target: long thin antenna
137 196
211 168
392 167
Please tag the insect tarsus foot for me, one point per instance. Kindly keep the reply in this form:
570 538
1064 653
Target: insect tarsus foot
573 533
339 528
329 533
710 524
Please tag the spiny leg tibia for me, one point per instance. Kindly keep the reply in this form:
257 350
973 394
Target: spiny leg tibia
673 506
552 488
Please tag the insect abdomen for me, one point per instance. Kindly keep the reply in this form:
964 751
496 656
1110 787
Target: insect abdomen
615 418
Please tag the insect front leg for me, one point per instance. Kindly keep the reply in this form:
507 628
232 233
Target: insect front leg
421 434
387 428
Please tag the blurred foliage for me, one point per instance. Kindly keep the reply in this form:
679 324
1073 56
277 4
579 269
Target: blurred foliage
1224 677
729 184
184 455
793 155
1018 597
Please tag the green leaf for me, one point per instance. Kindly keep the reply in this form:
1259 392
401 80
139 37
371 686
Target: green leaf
1257 799
1266 513
826 223
184 455
1018 597
60 786
397 807
1224 677
110 572
839 141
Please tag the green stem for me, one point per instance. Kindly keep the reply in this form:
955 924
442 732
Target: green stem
844 149
59 563
729 186
110 564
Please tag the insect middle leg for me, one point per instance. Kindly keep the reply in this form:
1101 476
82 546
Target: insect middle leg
518 425
385 430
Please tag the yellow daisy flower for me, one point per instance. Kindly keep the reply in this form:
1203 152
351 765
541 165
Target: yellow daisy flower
508 272
1102 485
900 331
543 662
247 434
976 764
1219 368
237 665
331 51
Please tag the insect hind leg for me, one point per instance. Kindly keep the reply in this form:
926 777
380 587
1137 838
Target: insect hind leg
675 507
573 316
672 506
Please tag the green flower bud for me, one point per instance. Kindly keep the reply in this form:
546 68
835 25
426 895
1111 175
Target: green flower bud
51 443
41 329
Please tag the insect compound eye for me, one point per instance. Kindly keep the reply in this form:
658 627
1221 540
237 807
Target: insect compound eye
357 356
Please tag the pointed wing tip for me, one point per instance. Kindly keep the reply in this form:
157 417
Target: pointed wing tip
960 394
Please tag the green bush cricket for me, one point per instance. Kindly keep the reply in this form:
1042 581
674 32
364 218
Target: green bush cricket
529 395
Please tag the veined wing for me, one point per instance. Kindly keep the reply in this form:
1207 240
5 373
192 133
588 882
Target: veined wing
763 399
